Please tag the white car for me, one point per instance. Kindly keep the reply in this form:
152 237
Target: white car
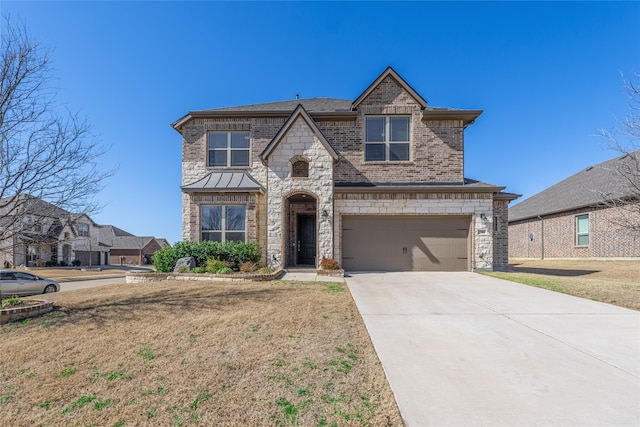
19 283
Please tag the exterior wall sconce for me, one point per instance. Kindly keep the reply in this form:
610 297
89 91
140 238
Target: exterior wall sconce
483 217
324 213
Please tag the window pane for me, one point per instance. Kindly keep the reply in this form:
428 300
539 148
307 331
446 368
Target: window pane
218 158
212 236
583 240
235 218
398 151
234 236
399 128
374 152
374 129
583 224
211 218
240 140
240 158
217 140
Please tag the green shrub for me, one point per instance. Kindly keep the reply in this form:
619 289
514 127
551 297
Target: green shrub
234 253
224 270
265 270
51 264
76 262
214 265
329 264
12 301
198 270
63 263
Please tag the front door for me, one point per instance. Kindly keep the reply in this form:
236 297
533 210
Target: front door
306 244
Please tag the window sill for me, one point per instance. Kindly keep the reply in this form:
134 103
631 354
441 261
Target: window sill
229 167
396 162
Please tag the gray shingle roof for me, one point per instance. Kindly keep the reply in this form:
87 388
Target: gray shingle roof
589 187
228 180
130 242
315 105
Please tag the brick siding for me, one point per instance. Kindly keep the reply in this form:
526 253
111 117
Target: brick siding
606 239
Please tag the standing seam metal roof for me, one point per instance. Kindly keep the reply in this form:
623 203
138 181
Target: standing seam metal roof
228 180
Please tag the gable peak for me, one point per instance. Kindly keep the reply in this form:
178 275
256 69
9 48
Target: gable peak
389 72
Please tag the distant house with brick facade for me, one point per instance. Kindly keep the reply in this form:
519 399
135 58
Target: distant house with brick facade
376 182
581 216
127 249
37 232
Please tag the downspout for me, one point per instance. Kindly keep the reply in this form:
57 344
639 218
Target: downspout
541 237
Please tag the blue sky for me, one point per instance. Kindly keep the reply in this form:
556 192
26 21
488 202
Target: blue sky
546 74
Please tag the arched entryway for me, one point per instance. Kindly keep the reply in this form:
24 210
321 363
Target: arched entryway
301 242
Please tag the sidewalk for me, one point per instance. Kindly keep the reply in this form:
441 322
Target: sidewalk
310 277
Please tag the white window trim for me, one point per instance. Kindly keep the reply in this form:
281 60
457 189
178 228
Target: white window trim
588 233
81 233
223 223
387 139
228 149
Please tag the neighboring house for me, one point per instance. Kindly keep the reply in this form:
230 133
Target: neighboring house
376 182
41 231
580 217
127 249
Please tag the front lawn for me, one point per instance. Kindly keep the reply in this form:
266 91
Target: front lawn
181 353
613 282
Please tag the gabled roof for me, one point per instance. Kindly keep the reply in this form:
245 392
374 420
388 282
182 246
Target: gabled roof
386 73
329 108
301 113
316 105
224 181
589 187
131 242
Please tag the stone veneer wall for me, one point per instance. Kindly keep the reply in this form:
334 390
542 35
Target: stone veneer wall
194 158
299 141
425 204
200 199
606 238
500 235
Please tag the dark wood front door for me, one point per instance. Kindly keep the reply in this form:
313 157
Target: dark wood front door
306 244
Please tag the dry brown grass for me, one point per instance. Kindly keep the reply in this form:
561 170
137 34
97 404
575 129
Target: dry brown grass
223 354
613 282
64 273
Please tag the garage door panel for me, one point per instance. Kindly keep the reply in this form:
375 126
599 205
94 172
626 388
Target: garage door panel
403 243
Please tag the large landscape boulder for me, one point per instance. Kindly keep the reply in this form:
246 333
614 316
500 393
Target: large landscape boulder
184 265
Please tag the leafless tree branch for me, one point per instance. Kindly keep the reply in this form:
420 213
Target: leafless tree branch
625 139
46 151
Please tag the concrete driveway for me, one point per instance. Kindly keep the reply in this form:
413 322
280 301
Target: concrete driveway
462 349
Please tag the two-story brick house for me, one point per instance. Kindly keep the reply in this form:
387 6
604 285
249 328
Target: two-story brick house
376 182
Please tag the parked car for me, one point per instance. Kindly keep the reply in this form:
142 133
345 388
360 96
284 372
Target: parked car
19 283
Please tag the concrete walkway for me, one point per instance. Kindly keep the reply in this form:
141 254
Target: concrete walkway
462 349
309 277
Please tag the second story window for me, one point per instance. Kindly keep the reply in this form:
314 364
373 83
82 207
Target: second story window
83 230
387 138
228 149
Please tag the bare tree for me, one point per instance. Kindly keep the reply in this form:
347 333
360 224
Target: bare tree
46 152
625 139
